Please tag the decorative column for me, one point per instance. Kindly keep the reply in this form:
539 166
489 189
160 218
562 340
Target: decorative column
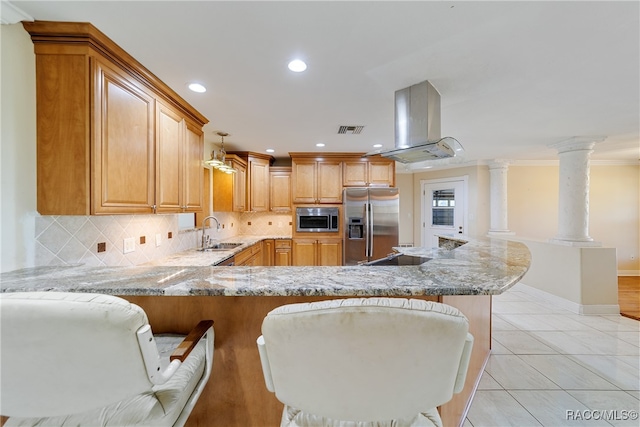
573 204
498 198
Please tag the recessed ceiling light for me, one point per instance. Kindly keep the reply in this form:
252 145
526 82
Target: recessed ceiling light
427 167
270 150
319 144
197 87
377 145
297 66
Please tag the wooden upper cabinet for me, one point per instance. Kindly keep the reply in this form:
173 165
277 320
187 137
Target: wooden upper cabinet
169 136
179 174
304 175
258 185
280 189
329 182
355 173
229 190
365 172
112 138
123 144
315 181
193 178
239 186
257 180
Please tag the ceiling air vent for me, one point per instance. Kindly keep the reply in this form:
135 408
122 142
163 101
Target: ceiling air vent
350 129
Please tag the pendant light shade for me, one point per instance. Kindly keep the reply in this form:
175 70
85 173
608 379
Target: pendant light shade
218 158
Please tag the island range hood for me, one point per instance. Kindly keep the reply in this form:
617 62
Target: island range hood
417 127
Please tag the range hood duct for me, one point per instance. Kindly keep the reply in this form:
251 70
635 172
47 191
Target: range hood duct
417 127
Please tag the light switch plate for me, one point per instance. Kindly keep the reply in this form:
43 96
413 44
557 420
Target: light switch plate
158 239
129 245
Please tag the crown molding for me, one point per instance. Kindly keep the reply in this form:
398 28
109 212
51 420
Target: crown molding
11 14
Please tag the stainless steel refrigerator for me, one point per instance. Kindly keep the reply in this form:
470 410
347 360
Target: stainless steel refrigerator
370 223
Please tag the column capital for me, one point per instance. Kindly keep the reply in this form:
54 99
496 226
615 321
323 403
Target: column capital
499 164
577 143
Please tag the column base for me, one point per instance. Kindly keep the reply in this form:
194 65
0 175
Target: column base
576 243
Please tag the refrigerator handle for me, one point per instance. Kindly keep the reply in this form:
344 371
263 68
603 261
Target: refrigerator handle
370 230
366 231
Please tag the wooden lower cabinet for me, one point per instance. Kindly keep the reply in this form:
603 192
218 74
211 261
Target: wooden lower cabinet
236 394
282 256
317 252
268 252
252 256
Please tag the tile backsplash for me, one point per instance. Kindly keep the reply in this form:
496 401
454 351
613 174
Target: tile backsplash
67 240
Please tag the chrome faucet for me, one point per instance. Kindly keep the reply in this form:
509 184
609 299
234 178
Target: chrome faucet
205 236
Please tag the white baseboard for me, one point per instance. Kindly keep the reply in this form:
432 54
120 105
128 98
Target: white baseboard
574 307
628 272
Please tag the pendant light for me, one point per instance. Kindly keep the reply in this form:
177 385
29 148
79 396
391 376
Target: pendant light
218 159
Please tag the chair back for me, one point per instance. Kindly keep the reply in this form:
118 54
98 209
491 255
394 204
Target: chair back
365 359
64 353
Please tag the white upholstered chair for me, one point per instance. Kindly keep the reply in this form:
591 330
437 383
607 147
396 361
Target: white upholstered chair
364 361
78 359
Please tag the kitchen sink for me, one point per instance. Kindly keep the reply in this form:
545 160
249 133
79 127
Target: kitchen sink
221 246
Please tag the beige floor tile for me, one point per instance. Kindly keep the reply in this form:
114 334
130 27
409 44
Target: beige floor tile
568 374
634 393
562 342
633 361
511 372
529 322
631 337
604 343
488 383
520 342
612 369
497 348
498 409
499 324
554 408
519 307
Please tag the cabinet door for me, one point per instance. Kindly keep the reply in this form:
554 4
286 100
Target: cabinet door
329 184
193 172
169 137
123 174
268 252
355 174
303 185
280 191
382 174
283 257
329 252
240 188
259 185
304 252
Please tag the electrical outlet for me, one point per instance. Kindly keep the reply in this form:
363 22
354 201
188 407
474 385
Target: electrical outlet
158 239
129 245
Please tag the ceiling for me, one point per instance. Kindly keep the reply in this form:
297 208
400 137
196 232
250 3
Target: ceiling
513 77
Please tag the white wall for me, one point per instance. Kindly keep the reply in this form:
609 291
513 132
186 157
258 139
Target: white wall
17 149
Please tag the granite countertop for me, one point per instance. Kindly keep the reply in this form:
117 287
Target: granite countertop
194 257
479 267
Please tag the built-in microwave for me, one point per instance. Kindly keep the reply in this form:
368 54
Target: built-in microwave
317 220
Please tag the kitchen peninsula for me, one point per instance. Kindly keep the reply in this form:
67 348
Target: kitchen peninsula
178 293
